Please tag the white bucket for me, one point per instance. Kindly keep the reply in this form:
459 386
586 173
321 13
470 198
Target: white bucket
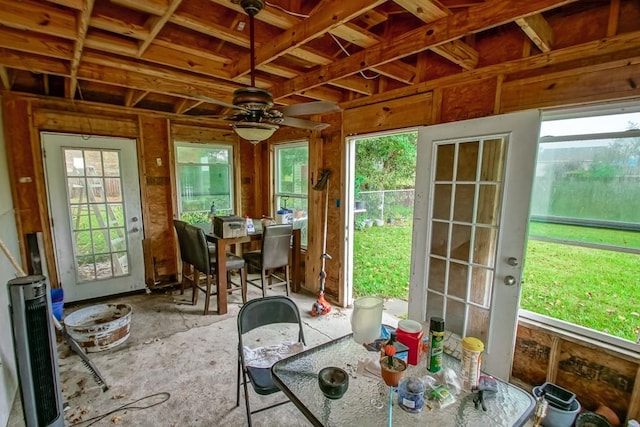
99 327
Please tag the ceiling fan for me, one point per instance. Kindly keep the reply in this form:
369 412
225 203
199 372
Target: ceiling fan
255 118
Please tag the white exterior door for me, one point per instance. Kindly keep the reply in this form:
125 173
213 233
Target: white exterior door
473 185
94 201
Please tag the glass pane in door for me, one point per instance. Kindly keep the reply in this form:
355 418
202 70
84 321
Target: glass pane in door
467 196
96 205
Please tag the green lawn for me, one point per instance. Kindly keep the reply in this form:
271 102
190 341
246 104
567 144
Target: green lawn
593 288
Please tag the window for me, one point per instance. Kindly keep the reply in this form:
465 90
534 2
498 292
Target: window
292 183
582 261
205 176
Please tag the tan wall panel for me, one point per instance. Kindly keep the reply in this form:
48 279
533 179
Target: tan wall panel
394 114
468 101
596 377
157 194
84 123
23 177
572 88
200 134
531 355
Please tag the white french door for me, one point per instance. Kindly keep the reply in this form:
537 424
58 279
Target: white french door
94 201
473 186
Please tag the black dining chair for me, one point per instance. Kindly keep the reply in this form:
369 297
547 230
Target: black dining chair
203 260
187 268
276 242
255 314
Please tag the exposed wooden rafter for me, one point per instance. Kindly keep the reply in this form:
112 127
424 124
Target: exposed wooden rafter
538 30
439 32
84 16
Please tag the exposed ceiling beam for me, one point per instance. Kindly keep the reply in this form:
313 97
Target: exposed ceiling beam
153 7
185 105
538 30
155 23
84 16
201 25
333 14
132 97
459 53
73 4
455 51
447 29
35 43
39 17
426 10
270 15
5 78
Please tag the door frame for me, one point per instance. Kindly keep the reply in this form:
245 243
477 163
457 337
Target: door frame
349 200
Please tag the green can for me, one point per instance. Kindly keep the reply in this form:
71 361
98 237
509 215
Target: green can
436 344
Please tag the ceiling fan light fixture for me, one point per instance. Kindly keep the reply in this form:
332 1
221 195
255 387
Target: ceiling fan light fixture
252 7
254 132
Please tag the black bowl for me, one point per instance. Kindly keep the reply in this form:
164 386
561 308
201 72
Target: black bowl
333 382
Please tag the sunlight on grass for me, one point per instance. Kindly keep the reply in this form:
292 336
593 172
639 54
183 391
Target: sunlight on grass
593 288
381 261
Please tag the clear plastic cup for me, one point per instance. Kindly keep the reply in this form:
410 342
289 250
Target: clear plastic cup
366 319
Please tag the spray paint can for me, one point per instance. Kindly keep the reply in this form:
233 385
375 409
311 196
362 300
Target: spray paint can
436 344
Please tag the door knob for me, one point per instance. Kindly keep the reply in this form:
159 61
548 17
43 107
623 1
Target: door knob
134 230
509 280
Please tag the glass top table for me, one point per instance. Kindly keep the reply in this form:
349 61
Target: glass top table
366 401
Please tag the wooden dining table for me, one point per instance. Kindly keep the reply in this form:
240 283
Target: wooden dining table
234 244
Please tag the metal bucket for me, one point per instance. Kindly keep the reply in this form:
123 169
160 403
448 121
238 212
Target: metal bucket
100 327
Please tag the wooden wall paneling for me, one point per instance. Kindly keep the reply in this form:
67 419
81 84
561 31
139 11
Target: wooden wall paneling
468 101
333 152
15 116
313 264
85 123
596 377
157 196
531 355
43 206
616 80
634 405
388 115
190 133
246 154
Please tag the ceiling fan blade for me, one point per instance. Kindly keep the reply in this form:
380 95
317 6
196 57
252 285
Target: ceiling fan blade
301 123
307 108
212 101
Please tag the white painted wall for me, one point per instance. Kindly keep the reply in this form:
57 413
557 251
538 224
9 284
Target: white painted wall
9 235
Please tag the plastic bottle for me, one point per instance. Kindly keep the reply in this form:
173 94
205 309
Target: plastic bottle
436 344
472 349
249 226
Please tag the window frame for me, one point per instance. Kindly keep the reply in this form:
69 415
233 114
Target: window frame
277 194
209 145
561 325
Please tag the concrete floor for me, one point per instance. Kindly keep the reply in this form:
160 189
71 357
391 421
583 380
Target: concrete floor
191 358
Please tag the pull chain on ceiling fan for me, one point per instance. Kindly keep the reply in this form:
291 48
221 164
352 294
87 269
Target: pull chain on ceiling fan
255 118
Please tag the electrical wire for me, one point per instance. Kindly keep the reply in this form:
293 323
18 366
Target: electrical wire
129 406
346 52
300 15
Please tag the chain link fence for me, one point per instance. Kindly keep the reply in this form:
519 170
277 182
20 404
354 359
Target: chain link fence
387 206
